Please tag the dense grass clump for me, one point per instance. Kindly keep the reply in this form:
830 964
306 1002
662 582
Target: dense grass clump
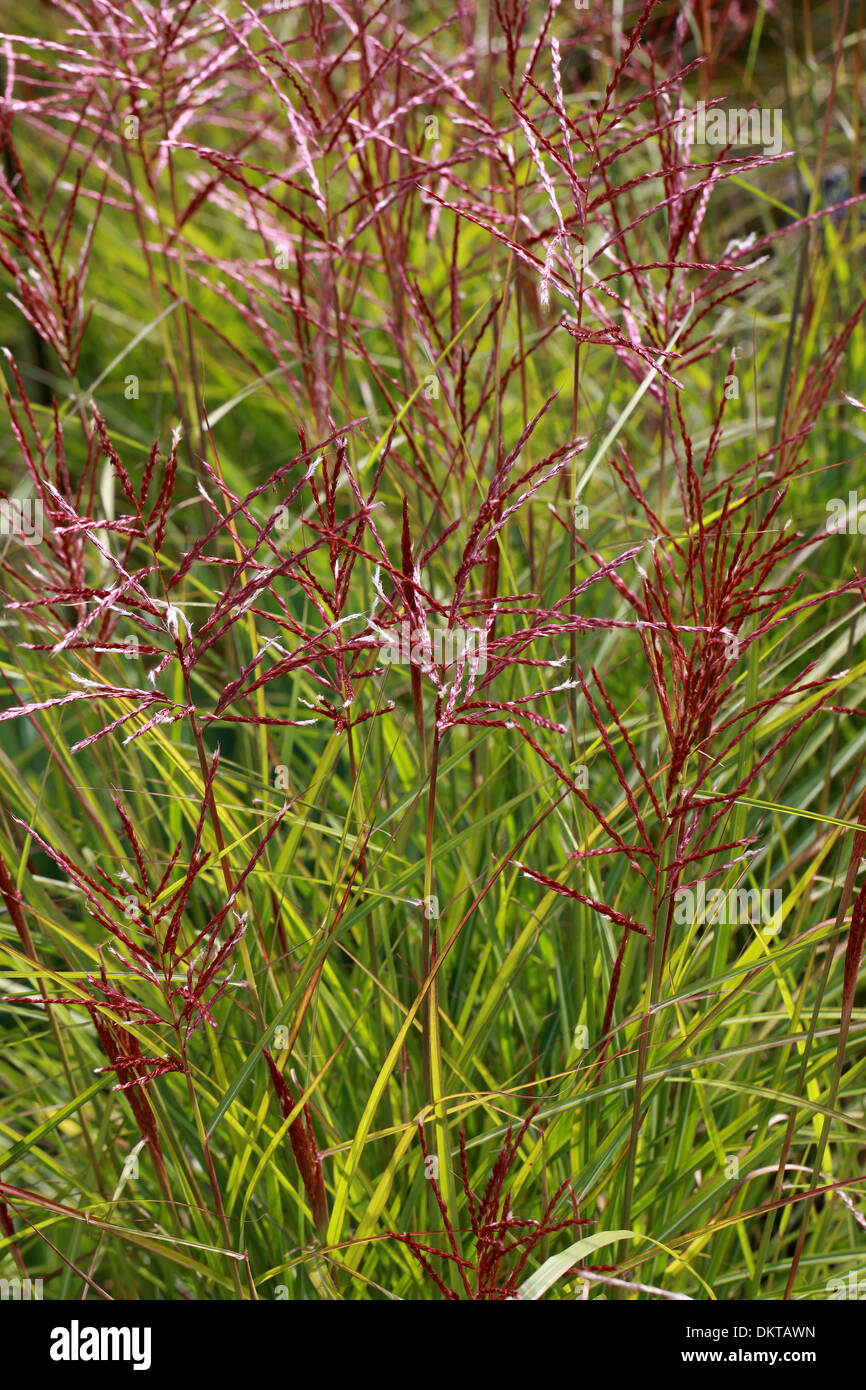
431 809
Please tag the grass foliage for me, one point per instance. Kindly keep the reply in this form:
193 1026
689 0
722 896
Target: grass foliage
332 976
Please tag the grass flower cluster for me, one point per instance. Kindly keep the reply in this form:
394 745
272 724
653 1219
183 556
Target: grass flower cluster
423 574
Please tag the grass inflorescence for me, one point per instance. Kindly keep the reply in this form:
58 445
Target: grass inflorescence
419 583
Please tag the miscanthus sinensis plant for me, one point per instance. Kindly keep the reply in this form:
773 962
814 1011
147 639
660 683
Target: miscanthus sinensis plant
417 592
